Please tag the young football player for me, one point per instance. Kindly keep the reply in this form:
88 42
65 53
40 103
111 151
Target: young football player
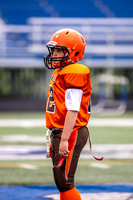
67 108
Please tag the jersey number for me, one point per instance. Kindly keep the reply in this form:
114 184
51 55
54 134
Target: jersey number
50 104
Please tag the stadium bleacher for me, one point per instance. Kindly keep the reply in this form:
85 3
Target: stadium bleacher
24 31
17 12
109 41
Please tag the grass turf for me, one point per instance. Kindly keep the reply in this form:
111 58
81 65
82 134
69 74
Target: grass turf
12 172
37 115
99 135
118 171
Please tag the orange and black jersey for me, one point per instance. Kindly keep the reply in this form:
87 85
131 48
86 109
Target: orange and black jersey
71 76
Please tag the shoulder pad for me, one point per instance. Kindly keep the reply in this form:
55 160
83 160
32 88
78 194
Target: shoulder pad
76 69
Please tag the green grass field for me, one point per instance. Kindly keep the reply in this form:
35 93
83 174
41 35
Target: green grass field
11 173
39 171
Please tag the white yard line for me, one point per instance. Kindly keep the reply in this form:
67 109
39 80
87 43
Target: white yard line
100 165
22 123
114 151
23 138
27 166
124 122
111 122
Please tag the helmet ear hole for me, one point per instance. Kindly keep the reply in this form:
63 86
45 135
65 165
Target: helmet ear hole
76 53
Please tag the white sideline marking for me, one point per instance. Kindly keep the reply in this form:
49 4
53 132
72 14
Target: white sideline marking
97 196
124 122
114 151
22 152
109 151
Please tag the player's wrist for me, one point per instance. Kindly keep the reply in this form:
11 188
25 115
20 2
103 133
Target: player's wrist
63 139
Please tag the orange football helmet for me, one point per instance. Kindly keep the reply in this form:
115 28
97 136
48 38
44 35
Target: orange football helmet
70 42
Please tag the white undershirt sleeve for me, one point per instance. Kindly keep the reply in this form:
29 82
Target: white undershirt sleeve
73 98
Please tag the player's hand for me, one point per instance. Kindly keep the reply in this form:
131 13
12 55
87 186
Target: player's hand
63 148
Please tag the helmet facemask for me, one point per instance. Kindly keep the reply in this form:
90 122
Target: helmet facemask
52 62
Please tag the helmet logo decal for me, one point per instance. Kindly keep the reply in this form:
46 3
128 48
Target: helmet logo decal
52 42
